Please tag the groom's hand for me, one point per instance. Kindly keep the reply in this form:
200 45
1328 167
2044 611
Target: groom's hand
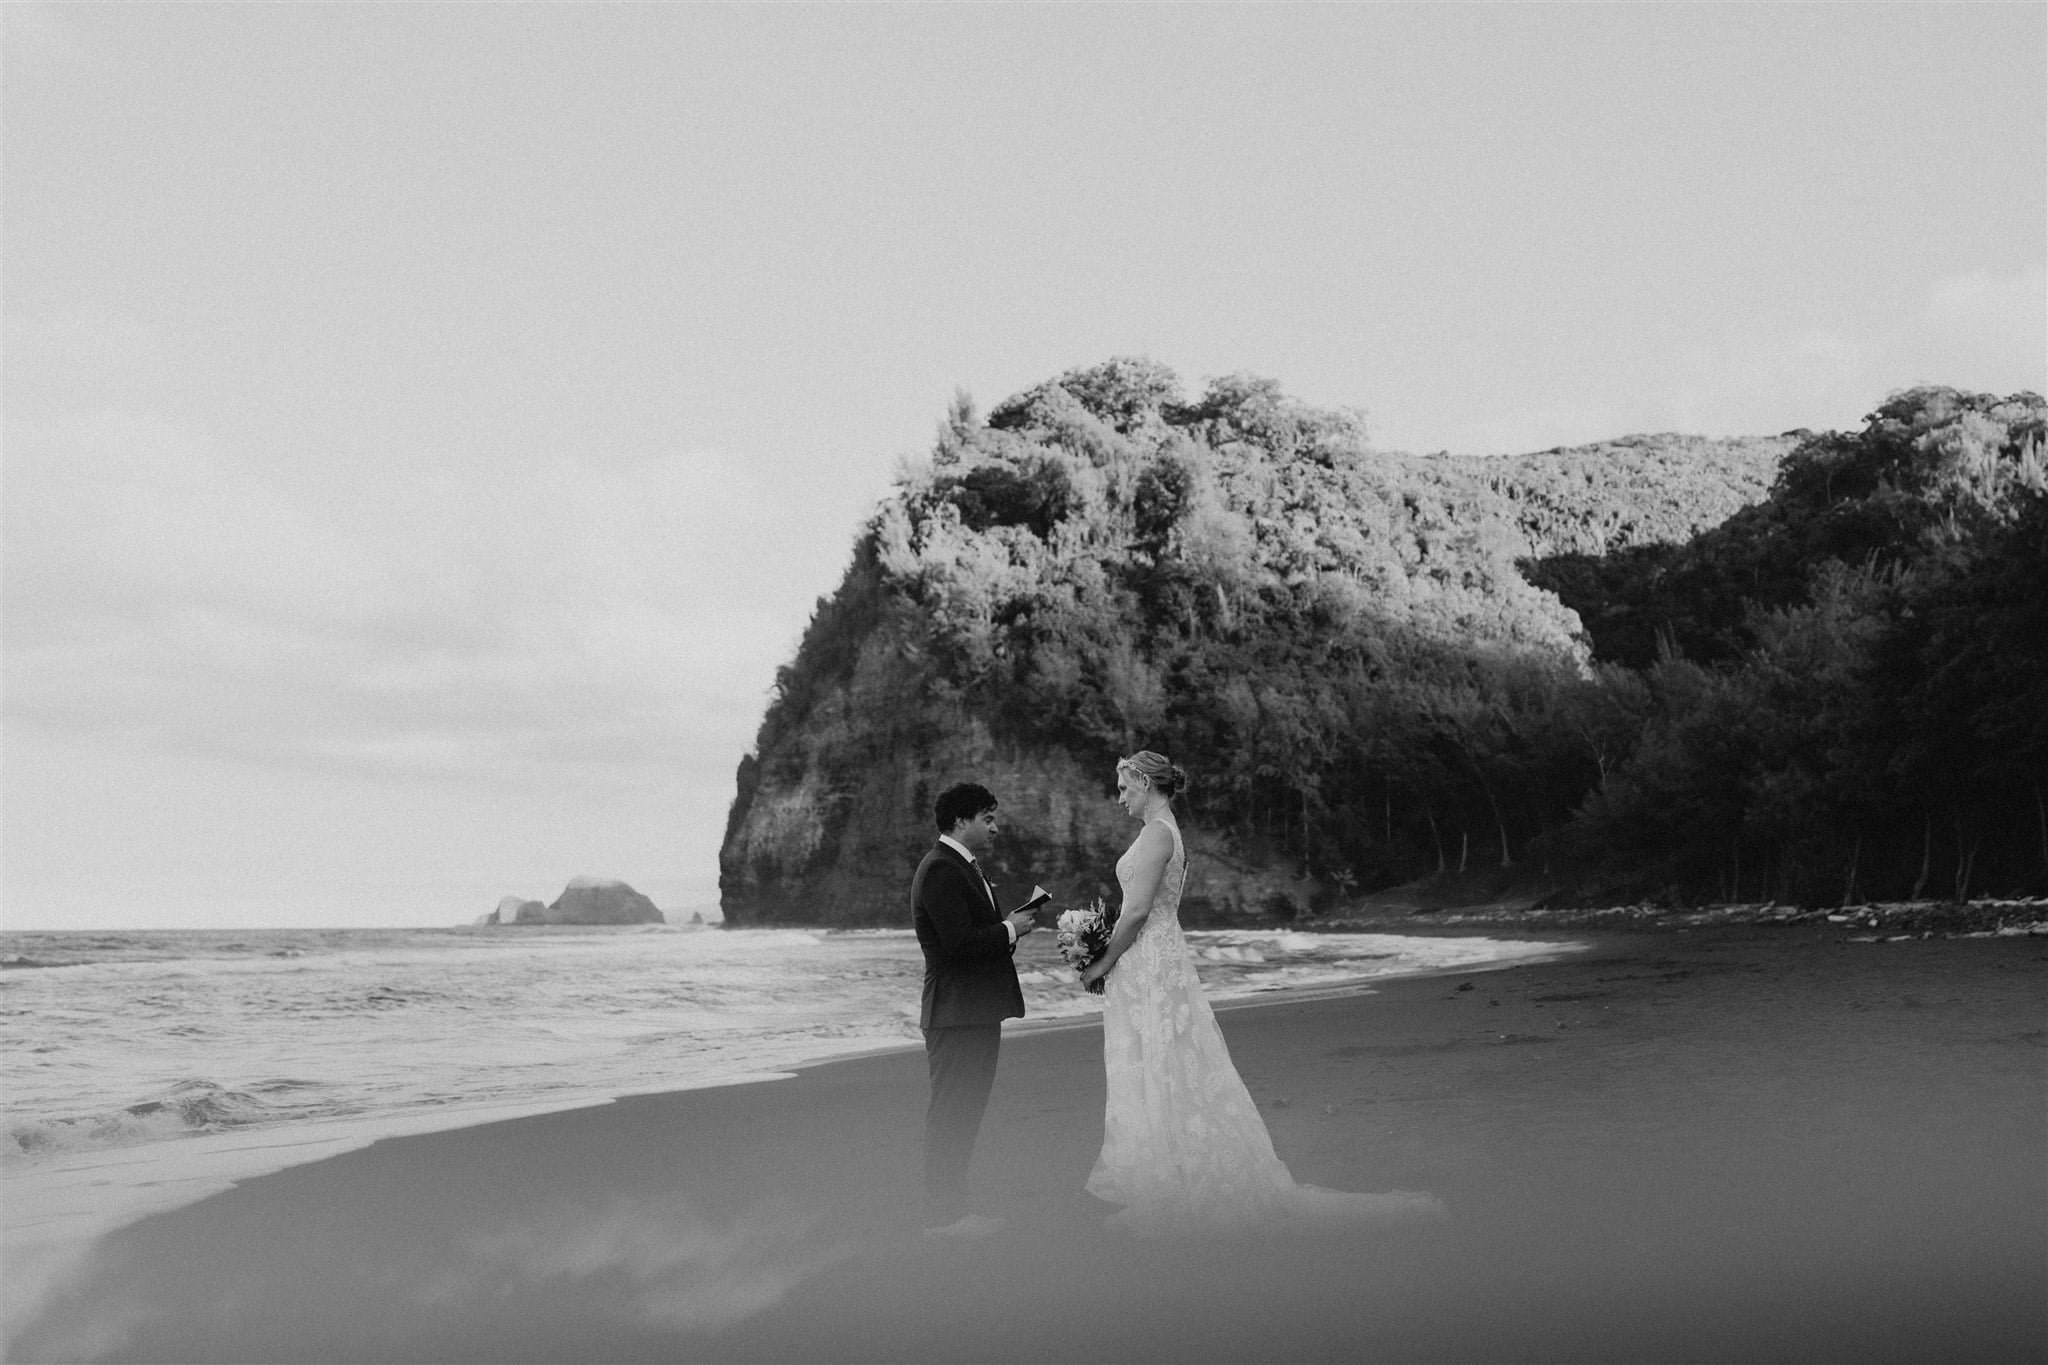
1023 921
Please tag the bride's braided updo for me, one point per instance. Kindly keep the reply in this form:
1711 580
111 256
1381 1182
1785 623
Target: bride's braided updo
1167 778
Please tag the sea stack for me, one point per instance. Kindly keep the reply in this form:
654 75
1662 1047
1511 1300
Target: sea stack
601 900
517 910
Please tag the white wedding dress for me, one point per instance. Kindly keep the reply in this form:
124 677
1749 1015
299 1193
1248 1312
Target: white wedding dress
1183 1146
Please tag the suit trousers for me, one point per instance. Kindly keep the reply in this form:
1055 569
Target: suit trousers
962 1064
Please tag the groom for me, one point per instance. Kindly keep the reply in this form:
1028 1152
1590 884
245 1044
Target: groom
970 987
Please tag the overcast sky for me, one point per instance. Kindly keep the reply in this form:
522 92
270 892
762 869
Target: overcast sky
427 428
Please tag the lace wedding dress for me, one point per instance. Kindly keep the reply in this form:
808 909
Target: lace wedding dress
1183 1146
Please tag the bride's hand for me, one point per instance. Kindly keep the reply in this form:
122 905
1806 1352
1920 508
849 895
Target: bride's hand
1094 972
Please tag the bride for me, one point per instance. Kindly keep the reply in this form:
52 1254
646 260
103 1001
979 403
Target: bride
1183 1146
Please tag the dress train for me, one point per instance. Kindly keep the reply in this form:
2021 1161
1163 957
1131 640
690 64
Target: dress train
1184 1148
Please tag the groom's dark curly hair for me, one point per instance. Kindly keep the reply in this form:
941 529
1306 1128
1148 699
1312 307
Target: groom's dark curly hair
961 801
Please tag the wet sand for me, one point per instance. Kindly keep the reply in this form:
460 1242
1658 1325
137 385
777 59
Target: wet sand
1733 1144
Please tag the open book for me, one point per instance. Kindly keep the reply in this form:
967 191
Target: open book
1039 896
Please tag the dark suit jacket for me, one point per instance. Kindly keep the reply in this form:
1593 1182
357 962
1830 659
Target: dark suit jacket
968 975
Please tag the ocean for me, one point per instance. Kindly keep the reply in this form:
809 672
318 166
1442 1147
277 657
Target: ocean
144 1070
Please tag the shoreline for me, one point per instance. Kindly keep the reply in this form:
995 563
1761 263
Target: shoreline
1982 918
1729 1143
1987 918
57 1207
1262 996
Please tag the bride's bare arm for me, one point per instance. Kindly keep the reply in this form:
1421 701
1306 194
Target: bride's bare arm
1155 850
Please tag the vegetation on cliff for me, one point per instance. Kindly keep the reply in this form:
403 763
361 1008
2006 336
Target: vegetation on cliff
1703 668
1843 690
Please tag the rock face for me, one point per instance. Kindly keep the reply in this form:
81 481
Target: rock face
598 900
800 852
799 855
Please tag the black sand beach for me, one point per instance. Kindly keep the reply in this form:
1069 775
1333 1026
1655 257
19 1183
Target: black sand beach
1726 1144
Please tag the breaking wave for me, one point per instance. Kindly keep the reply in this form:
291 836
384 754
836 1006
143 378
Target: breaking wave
185 1108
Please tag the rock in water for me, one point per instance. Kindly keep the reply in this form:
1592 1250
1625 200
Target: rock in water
516 910
597 900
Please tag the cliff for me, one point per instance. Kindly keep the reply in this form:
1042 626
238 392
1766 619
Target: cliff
1008 612
1375 665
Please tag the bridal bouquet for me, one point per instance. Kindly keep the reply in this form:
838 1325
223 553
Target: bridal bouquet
1084 937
